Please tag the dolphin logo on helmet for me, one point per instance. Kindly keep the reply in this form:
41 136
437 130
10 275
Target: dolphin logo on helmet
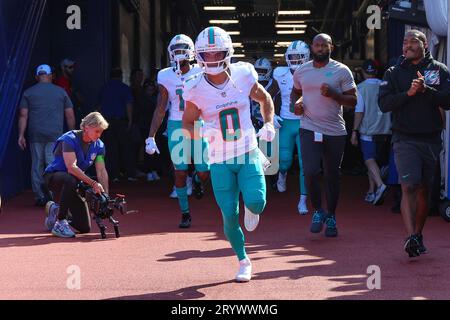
181 48
214 39
297 54
264 69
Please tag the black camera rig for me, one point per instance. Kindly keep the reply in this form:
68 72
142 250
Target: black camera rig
102 207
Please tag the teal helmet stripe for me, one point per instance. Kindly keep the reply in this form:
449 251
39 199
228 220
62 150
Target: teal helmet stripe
295 45
211 35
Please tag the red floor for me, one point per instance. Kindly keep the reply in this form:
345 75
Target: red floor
155 260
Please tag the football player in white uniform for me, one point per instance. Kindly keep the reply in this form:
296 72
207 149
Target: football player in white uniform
171 89
220 96
264 69
296 54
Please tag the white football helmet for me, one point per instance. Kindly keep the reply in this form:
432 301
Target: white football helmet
181 48
214 39
297 54
264 69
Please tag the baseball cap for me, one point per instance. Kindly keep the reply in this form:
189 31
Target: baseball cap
370 67
43 69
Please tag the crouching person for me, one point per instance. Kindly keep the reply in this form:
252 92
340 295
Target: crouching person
75 151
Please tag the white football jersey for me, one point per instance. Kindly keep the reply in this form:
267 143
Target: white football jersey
226 111
285 81
174 86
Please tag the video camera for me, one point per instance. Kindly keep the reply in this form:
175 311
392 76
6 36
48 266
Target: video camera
102 207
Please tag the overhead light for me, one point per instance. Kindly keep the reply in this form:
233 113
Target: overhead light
291 26
283 44
239 55
234 33
290 31
209 8
237 44
292 12
223 21
291 21
276 55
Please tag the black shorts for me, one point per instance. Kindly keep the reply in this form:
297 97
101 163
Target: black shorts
416 161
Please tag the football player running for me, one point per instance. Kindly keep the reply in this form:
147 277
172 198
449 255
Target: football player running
296 54
221 97
171 89
264 69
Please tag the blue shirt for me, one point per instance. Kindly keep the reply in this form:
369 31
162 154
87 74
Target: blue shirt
114 97
84 160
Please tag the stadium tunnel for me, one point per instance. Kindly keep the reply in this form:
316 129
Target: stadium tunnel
133 34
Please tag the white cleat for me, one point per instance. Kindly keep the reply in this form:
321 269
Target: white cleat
302 205
281 183
245 271
251 220
174 194
189 186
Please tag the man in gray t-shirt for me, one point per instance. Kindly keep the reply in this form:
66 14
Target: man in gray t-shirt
42 110
321 113
324 86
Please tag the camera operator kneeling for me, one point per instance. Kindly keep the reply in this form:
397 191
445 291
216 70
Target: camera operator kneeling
75 151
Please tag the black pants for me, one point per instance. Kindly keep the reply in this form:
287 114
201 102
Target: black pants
330 152
119 149
64 185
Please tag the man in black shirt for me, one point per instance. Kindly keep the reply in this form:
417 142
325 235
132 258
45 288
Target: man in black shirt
414 91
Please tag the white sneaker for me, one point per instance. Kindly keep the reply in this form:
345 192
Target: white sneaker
302 205
245 271
51 210
370 196
62 229
281 183
174 195
189 186
251 220
379 194
155 176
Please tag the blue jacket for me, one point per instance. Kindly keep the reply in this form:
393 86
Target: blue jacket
83 161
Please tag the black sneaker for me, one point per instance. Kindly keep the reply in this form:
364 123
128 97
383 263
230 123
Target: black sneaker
331 230
317 222
185 221
422 248
198 188
412 246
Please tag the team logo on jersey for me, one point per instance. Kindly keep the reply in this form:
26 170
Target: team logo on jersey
432 77
223 94
284 81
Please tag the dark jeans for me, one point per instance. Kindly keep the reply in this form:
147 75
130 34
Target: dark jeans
330 152
64 185
119 149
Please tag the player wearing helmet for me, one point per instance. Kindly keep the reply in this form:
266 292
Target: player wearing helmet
264 69
296 54
220 95
171 88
